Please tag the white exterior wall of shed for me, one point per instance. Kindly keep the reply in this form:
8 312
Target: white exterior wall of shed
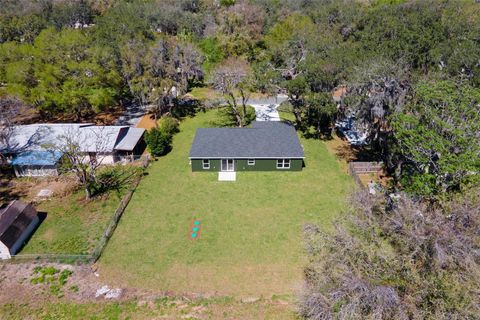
4 252
52 171
49 171
35 171
26 233
103 159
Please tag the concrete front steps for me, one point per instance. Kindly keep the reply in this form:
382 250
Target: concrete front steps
227 176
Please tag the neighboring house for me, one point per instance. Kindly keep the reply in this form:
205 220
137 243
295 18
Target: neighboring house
37 149
17 222
266 146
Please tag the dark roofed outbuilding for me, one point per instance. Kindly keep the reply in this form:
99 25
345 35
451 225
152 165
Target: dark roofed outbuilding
17 222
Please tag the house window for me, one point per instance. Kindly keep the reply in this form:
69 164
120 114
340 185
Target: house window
206 164
283 164
251 162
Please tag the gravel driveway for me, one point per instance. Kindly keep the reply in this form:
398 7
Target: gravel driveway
266 109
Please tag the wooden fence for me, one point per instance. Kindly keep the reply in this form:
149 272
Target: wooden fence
356 168
366 167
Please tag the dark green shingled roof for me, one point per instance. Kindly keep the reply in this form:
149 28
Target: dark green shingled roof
263 140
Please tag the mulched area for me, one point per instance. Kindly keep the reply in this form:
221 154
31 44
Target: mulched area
28 188
147 122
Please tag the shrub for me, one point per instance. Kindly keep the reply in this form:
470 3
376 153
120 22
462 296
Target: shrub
158 142
285 106
250 116
64 275
394 258
168 125
115 178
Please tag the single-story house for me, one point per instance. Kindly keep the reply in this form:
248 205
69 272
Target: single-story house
17 222
266 146
36 150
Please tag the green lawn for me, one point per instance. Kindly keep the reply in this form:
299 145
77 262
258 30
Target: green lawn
251 241
72 226
162 308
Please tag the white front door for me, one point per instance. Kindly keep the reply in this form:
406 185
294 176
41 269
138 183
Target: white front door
228 165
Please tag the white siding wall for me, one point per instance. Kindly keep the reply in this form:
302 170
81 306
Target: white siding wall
105 159
4 252
34 171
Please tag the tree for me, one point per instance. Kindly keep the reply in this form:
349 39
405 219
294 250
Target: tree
297 88
395 258
9 110
169 125
71 13
320 113
72 76
233 78
83 151
437 138
289 42
61 74
158 141
160 74
311 109
240 28
376 91
21 28
408 32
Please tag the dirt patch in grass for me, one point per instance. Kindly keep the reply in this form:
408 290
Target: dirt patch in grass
16 284
147 122
27 189
21 298
342 150
378 177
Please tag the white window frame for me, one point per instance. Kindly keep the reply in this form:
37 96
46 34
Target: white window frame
206 164
283 163
251 162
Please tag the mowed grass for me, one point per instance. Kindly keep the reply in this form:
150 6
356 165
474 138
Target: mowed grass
72 225
251 237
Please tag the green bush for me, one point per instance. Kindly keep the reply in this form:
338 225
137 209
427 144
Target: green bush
285 106
227 3
64 276
55 278
168 125
159 142
250 116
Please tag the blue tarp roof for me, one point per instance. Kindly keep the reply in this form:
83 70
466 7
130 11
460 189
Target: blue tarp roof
37 158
